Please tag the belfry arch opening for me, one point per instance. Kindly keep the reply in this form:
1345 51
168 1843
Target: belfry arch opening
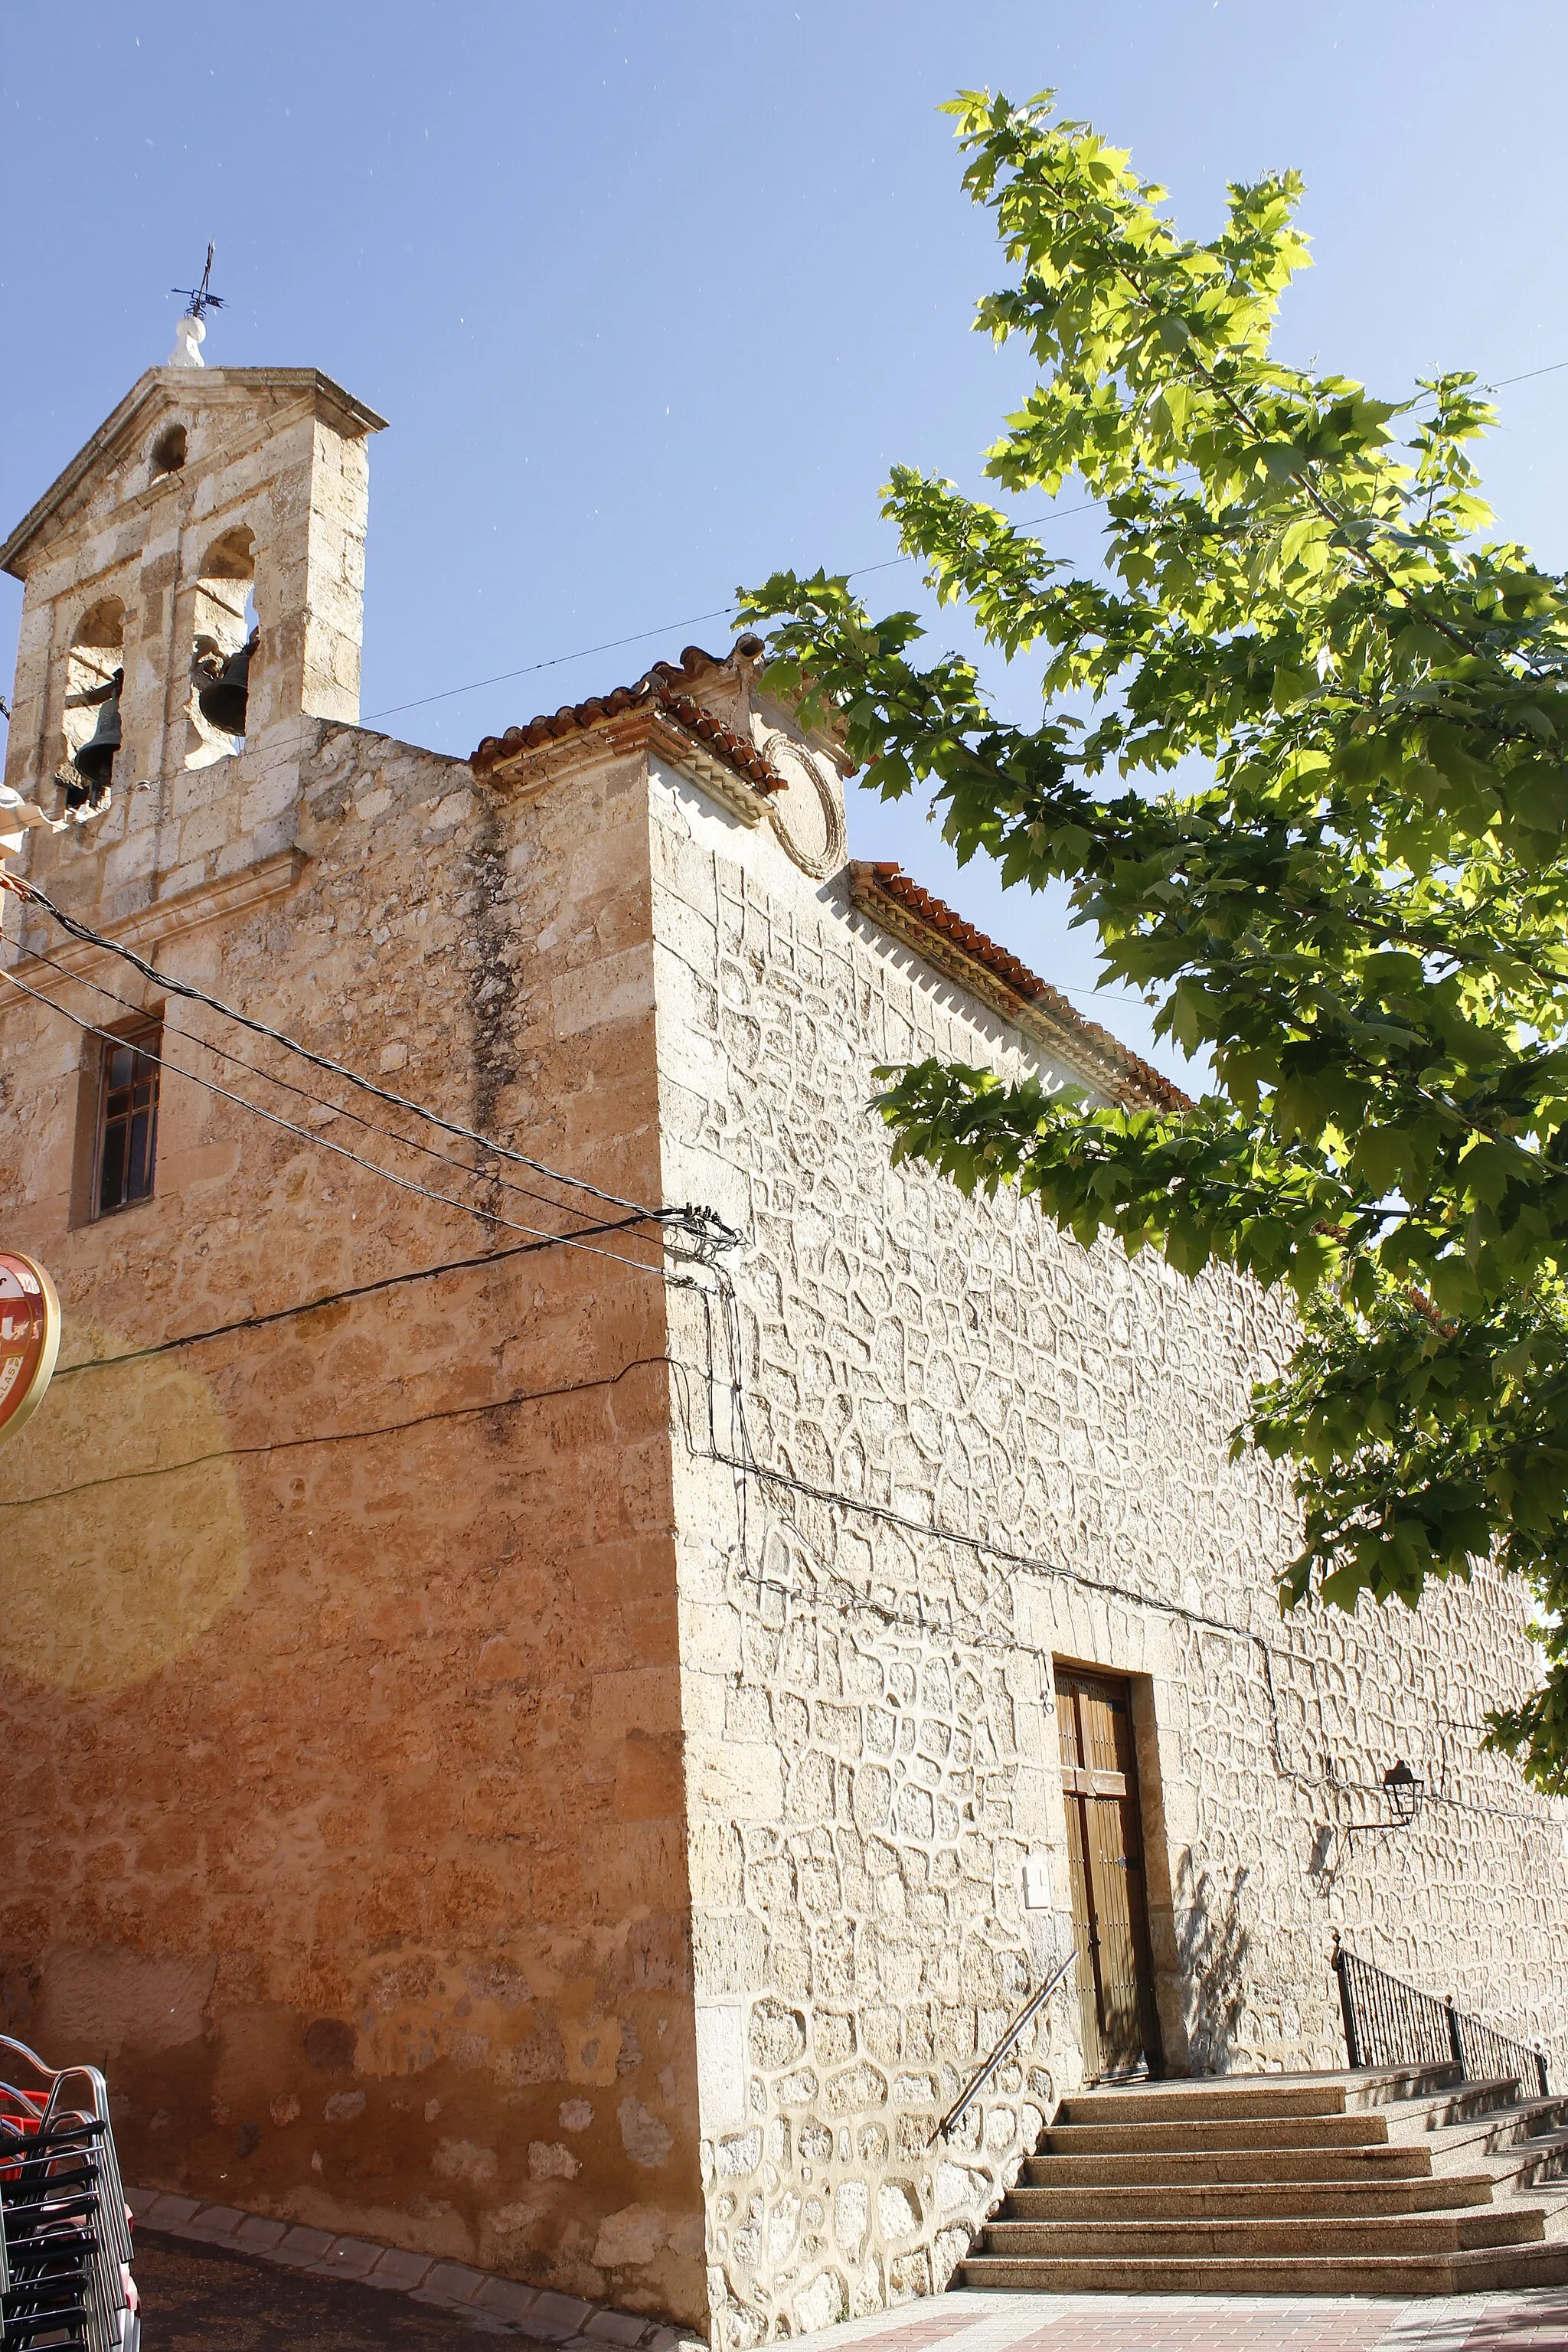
94 669
169 451
224 631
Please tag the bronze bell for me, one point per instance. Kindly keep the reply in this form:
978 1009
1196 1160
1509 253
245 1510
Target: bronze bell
222 701
94 764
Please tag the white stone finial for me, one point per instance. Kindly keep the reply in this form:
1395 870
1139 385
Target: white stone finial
189 337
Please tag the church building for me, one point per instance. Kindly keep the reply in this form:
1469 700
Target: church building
575 1643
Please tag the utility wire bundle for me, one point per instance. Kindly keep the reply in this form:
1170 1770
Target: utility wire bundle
691 1232
64 2229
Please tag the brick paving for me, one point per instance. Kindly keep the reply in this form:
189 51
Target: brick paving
197 2298
488 2304
1048 2323
914 2335
214 2297
1532 2328
1332 2329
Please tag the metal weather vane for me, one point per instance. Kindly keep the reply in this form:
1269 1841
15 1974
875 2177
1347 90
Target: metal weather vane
198 297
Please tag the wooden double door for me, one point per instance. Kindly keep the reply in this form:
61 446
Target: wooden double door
1105 1855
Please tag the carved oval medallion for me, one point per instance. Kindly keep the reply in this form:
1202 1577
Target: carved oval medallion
805 816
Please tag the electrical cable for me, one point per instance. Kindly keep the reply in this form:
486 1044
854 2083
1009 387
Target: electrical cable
1504 380
325 1143
371 1127
329 1298
331 1436
748 1465
911 1620
723 612
611 645
187 989
915 1621
555 661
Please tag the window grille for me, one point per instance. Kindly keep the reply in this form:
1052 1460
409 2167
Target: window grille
127 1119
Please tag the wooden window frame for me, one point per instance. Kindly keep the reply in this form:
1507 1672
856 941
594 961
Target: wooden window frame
145 1036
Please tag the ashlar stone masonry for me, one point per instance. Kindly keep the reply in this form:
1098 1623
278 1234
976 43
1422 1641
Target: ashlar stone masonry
532 1757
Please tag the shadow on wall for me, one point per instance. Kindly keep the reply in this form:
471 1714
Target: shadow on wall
1212 1947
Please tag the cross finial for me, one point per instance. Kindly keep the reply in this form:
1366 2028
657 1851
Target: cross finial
198 297
191 333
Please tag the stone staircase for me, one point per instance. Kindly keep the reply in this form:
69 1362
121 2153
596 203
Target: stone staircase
1397 2183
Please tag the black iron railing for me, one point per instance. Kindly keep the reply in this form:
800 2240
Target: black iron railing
1391 2023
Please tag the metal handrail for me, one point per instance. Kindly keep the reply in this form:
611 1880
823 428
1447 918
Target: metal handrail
1009 2041
1390 2023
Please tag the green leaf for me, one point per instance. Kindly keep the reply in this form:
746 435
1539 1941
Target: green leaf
1298 764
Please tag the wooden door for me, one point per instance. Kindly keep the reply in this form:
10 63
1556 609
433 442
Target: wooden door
1105 1855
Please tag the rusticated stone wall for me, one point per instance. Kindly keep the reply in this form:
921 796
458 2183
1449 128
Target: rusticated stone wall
339 1687
536 1766
871 1747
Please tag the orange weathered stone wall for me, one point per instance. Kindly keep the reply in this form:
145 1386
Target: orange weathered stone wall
338 1681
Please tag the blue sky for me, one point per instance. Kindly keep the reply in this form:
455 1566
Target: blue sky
653 295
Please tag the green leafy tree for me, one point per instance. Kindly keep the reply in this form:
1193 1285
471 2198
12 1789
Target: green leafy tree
1363 915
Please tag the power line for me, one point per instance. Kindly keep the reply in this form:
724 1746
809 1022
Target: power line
723 612
530 669
917 1621
329 1437
188 989
343 1297
371 1127
325 1143
747 1464
1504 382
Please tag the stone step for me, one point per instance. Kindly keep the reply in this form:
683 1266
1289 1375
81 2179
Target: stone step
1181 2104
1544 2157
1387 2182
1381 2086
1500 2131
1485 2271
1228 2167
1368 2130
1247 2201
1462 2102
1195 2097
1413 2235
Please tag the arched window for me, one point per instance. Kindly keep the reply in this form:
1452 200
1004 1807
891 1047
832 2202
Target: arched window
225 639
169 451
94 674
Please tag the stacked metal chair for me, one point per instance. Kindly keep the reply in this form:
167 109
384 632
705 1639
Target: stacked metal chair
64 2231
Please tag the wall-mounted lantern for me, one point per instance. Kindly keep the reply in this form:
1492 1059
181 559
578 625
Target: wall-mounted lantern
1405 1791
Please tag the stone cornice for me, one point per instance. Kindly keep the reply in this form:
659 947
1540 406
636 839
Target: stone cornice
169 919
648 726
1030 1004
170 388
74 532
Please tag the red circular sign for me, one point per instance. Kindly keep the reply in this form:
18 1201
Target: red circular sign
29 1338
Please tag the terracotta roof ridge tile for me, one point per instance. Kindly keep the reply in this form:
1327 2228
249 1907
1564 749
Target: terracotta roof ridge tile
1137 1075
659 688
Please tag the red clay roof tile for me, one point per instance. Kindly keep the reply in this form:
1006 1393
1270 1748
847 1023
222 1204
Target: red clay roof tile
659 689
1099 1055
1084 1041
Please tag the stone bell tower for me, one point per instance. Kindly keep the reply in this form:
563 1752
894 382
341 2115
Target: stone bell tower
215 506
